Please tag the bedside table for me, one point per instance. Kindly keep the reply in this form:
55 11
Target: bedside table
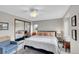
60 42
66 46
60 39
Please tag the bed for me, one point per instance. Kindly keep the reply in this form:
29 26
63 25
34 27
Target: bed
44 40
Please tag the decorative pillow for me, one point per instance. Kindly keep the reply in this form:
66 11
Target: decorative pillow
52 34
39 33
34 33
46 33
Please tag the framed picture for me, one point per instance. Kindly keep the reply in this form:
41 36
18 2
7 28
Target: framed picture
74 21
74 35
4 26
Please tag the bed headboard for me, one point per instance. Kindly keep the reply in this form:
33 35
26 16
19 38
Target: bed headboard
47 33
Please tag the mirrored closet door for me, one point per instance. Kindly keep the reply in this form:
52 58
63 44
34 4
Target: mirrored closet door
22 28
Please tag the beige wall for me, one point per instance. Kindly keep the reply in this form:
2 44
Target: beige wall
73 10
5 17
49 25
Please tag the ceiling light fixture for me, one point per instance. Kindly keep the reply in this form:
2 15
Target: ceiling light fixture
34 12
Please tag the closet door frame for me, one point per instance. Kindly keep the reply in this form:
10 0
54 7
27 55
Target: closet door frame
24 25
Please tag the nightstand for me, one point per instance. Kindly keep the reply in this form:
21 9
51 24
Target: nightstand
60 42
60 39
63 45
67 46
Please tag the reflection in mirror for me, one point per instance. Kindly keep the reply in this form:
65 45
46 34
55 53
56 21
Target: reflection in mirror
22 28
27 28
19 29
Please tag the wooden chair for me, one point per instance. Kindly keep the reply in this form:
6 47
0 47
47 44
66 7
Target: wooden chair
66 46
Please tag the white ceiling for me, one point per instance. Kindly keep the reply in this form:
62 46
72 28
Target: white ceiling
45 12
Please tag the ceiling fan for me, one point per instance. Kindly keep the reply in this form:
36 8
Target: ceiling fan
34 11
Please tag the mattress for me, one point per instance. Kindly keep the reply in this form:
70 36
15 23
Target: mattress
43 42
